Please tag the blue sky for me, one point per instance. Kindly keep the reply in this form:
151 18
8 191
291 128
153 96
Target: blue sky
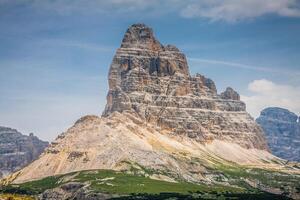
55 55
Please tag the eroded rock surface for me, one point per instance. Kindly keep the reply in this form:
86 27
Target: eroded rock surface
17 150
153 81
282 129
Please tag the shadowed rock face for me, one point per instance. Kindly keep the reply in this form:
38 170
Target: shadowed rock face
153 82
282 130
17 150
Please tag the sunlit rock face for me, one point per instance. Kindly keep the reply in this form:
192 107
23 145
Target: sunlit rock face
153 81
282 130
17 150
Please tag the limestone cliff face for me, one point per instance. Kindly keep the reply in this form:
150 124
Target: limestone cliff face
282 129
17 150
157 116
153 82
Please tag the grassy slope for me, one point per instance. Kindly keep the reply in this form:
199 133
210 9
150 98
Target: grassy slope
267 180
112 182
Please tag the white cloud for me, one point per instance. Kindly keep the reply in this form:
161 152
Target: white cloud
268 94
236 10
215 10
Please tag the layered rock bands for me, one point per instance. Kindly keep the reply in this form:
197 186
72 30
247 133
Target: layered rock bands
153 82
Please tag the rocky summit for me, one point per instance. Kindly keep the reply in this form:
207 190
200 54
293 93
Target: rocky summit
163 124
282 130
152 82
17 150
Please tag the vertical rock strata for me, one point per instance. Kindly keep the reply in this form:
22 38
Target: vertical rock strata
282 129
153 82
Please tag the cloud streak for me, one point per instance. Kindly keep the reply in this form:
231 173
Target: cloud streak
244 66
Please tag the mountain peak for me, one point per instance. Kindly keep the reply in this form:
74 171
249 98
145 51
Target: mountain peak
140 36
153 82
281 114
282 131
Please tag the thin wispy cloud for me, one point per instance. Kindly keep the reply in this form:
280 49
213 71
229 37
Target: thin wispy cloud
245 66
237 10
214 10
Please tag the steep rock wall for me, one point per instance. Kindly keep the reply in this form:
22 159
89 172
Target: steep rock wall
153 81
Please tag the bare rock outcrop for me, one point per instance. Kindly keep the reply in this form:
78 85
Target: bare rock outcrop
230 93
153 82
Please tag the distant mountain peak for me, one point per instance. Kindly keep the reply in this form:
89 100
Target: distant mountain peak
17 150
282 130
277 113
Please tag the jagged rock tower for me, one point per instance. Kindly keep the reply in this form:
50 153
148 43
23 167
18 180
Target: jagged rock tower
153 82
157 116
